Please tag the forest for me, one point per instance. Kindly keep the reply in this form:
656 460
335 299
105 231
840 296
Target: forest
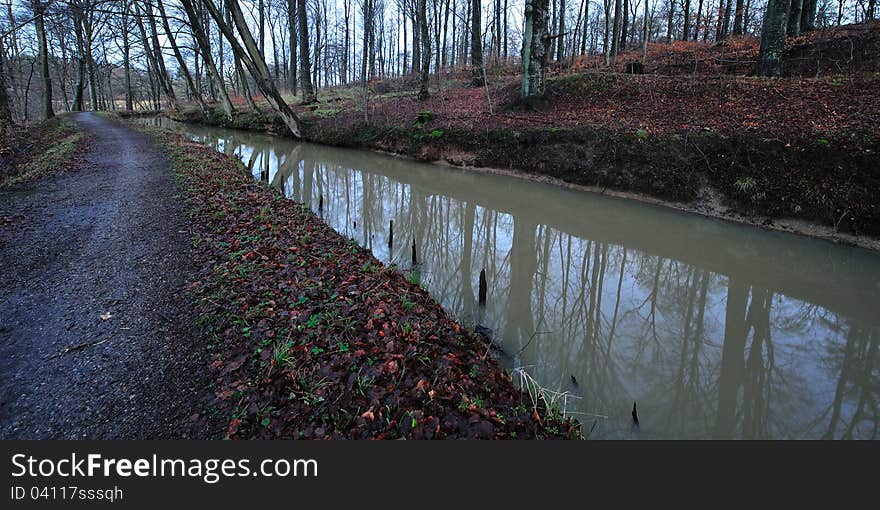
108 55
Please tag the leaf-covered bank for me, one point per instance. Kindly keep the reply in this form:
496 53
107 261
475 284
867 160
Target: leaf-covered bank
312 337
40 150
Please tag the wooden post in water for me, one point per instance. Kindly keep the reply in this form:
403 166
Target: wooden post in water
414 261
391 236
483 287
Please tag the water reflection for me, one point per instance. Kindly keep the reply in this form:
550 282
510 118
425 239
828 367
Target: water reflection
716 330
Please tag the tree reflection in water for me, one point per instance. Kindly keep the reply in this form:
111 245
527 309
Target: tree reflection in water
716 330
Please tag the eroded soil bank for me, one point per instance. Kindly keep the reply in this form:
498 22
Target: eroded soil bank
696 132
312 337
812 187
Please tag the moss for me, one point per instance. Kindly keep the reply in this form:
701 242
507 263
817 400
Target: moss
583 84
244 120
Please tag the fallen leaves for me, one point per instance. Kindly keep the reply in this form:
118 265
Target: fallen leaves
307 342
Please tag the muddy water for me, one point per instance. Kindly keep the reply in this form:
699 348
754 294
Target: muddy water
714 329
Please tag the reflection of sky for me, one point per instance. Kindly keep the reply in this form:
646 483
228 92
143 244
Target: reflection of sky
677 390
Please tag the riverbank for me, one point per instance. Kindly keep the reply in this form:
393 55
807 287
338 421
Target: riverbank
797 154
311 337
40 150
802 183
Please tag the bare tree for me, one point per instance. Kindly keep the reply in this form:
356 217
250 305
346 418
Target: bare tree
425 49
250 55
305 67
5 107
205 48
476 43
45 78
535 44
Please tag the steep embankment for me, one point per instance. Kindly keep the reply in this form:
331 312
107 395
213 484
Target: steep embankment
745 148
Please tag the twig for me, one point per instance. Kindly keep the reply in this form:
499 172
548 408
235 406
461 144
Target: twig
76 348
536 333
486 86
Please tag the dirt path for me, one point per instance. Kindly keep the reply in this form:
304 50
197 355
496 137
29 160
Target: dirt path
108 239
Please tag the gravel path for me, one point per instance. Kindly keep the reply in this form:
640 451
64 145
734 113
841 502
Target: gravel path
95 340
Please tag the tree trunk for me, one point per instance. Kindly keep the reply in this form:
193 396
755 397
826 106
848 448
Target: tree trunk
239 70
305 66
293 42
180 61
699 19
687 20
645 34
606 34
90 62
261 32
343 75
79 87
738 18
5 109
158 73
808 16
126 53
747 11
615 32
504 56
368 36
476 43
535 43
560 43
48 111
159 60
794 18
725 26
425 49
772 39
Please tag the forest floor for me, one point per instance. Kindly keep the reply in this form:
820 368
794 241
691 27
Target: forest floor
95 340
695 130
